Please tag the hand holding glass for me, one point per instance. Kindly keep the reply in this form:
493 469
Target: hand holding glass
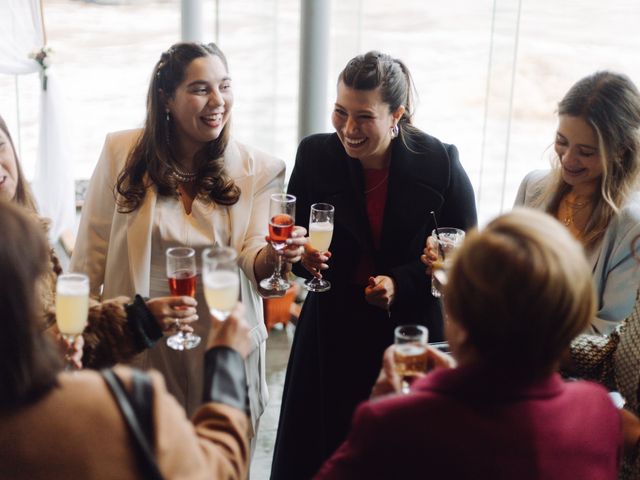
72 304
320 233
282 211
181 273
410 353
445 242
220 279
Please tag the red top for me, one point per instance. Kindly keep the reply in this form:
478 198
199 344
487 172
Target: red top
375 192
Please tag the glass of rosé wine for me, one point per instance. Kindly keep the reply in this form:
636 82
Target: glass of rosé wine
181 273
282 211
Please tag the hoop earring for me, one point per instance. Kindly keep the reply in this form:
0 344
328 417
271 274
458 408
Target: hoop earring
394 131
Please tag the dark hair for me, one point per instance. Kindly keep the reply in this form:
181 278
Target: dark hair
153 153
29 362
23 194
522 290
610 103
378 70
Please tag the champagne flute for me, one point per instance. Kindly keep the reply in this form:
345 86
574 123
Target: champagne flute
410 353
320 233
181 273
72 304
282 209
220 279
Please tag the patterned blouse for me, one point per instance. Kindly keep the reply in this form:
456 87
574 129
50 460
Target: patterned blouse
614 361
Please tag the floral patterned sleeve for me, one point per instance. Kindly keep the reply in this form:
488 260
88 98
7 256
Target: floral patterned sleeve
592 358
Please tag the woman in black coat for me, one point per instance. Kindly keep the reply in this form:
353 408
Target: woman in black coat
383 176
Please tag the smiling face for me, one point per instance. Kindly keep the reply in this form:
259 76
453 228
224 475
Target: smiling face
8 168
201 105
577 148
363 123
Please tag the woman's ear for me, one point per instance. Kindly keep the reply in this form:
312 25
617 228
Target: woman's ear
397 114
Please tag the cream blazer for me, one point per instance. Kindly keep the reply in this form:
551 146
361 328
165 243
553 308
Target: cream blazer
114 249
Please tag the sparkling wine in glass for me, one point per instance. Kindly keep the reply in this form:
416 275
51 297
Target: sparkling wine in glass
320 233
282 210
181 273
72 304
410 353
220 279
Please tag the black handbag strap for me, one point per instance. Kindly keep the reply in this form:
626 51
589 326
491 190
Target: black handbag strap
137 410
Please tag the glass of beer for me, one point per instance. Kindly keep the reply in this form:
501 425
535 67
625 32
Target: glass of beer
72 304
220 279
410 353
320 233
446 240
282 211
181 274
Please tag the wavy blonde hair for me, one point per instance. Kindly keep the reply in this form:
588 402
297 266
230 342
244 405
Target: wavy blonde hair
610 103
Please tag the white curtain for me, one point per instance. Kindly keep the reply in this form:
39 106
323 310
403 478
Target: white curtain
21 34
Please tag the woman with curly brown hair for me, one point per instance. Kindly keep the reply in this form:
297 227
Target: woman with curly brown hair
182 180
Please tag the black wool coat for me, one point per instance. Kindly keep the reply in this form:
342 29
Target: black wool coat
339 339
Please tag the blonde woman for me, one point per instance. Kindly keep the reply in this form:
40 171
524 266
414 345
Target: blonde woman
591 187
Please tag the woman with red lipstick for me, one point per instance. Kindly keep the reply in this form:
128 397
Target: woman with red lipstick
182 180
591 190
383 176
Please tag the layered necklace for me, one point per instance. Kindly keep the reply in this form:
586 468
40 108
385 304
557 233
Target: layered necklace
571 207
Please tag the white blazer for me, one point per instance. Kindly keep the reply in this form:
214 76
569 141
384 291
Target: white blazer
114 249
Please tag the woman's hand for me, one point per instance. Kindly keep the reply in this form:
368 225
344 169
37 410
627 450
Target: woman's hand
70 351
174 313
380 292
429 254
631 432
295 245
314 261
232 332
390 382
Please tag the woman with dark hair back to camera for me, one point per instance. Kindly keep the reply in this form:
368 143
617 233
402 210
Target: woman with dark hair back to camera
383 176
182 180
67 425
517 293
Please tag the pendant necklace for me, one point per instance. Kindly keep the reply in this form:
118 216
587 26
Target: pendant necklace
377 185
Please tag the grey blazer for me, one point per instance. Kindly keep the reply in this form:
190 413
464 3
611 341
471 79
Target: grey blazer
616 273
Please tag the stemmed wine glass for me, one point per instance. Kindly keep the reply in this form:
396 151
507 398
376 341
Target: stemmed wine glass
220 279
282 209
181 273
320 233
72 304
